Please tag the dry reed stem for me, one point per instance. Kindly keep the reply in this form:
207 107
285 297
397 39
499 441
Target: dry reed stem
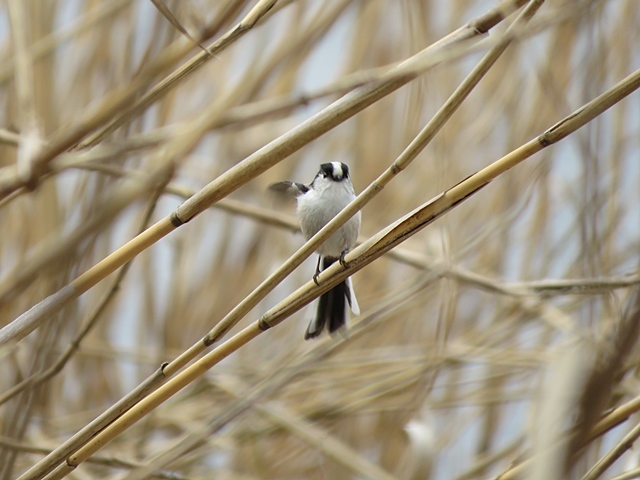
276 380
595 391
258 12
614 454
168 14
90 322
58 248
119 463
24 90
320 439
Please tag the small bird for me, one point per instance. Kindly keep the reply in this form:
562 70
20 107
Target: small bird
330 191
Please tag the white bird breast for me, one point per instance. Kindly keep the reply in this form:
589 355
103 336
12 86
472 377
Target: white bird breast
324 200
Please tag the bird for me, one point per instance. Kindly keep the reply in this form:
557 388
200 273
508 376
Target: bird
317 203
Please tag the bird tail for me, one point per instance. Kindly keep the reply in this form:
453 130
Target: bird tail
332 306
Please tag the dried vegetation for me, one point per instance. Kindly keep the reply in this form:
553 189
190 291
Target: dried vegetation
497 342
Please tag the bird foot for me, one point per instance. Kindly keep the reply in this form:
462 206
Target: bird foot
342 260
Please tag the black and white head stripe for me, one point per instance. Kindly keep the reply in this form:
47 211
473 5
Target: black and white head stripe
337 171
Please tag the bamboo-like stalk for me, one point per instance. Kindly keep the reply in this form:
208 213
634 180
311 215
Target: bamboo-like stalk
277 380
88 325
616 452
624 338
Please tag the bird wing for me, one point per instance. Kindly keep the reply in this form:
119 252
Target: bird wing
288 189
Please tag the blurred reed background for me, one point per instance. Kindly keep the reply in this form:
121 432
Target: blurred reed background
501 329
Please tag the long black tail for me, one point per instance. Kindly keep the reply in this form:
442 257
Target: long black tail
331 307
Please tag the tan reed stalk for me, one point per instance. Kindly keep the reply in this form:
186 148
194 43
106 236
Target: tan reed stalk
622 338
46 45
91 321
276 380
259 12
614 454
